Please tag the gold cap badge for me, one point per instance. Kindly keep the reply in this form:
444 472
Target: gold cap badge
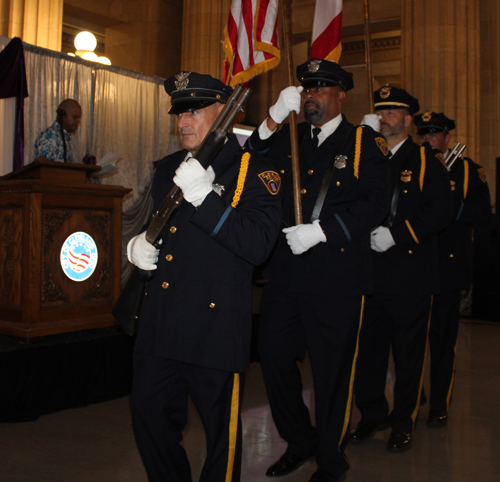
182 80
426 116
313 65
385 91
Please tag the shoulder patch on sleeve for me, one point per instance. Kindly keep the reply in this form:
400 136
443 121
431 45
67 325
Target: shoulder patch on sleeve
271 180
482 174
382 144
440 157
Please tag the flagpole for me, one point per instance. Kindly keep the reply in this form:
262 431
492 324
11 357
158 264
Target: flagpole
368 54
294 138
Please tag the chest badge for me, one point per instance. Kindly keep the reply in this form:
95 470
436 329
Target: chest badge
340 162
406 176
218 188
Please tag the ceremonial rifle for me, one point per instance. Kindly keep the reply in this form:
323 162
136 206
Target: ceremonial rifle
454 154
129 304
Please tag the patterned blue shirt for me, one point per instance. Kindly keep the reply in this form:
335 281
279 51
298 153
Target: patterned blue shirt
49 144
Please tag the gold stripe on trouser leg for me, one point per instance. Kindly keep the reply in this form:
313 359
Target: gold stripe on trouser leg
417 407
347 415
452 383
233 426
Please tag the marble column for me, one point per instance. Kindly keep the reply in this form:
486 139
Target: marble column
202 34
441 62
38 22
146 36
490 98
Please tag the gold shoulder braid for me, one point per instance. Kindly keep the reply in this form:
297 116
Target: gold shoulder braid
466 178
422 167
357 151
241 178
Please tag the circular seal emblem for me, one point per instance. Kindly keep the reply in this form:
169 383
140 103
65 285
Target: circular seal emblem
79 256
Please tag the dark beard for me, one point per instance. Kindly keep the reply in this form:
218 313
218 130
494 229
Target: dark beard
313 116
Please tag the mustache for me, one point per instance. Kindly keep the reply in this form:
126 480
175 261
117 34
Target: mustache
310 102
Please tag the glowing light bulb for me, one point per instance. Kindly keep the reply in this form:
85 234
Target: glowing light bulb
90 56
85 41
104 60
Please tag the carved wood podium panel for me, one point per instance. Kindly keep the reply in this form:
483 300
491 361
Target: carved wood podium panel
50 213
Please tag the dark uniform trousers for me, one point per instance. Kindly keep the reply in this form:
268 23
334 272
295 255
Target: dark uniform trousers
314 301
159 406
401 322
406 276
443 336
291 322
471 208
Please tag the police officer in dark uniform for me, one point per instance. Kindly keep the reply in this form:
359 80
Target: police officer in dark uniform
406 276
195 329
320 270
471 207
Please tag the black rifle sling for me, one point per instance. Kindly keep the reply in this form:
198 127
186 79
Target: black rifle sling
345 132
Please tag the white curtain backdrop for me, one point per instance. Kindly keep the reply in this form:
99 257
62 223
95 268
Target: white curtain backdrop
123 112
51 78
142 134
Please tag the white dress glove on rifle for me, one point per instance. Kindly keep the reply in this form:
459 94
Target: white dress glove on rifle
304 236
194 181
381 239
141 253
288 100
372 120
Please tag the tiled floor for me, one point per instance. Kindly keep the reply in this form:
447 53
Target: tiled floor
95 444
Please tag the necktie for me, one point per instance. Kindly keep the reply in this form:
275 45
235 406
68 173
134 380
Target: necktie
316 132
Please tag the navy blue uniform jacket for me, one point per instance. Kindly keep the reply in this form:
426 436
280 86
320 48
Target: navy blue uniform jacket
424 209
357 200
471 207
198 306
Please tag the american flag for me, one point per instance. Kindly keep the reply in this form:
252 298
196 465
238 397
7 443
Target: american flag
327 28
250 40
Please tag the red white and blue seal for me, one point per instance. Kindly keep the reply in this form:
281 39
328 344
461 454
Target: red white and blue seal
79 256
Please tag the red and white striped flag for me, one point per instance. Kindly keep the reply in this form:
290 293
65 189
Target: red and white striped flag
250 40
326 30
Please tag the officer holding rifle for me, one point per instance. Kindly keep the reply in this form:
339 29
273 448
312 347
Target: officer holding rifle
195 328
471 208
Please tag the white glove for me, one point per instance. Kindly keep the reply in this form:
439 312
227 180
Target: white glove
372 120
381 239
288 100
304 236
141 253
195 181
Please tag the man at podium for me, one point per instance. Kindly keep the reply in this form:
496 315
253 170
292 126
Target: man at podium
54 143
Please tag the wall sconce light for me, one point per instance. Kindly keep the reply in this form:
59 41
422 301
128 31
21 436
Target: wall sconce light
85 44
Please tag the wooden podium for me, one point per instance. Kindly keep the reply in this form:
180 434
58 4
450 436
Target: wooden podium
42 206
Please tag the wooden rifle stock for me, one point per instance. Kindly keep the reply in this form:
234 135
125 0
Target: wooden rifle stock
128 307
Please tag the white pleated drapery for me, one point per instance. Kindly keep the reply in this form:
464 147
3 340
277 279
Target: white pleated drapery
123 112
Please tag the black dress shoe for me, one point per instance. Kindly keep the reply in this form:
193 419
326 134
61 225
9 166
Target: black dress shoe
366 429
437 418
286 464
399 441
322 476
